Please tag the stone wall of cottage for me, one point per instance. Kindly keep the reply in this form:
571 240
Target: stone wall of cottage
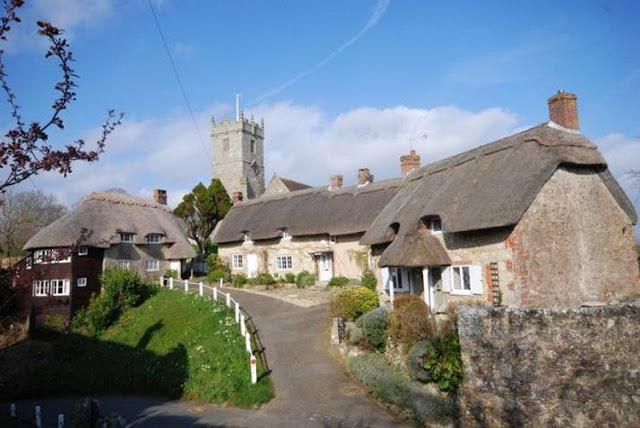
542 367
300 248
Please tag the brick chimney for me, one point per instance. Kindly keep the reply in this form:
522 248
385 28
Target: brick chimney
236 197
160 196
563 110
409 162
364 177
336 181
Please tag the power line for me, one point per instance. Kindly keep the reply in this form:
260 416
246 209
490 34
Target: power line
175 72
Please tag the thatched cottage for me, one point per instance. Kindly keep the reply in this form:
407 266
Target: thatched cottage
534 219
316 229
104 230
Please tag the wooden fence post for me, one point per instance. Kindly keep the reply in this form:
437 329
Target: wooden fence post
60 420
254 369
38 417
170 283
201 287
237 311
186 286
12 410
243 328
215 294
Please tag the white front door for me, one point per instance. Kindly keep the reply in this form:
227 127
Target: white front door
252 265
325 267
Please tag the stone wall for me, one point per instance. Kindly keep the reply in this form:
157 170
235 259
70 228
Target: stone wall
542 367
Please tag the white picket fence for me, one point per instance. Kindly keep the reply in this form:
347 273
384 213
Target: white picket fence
218 295
37 417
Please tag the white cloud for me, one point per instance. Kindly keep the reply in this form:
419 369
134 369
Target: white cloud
618 150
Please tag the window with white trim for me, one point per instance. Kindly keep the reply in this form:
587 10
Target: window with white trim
461 279
247 238
284 262
397 279
126 238
83 251
81 282
434 225
152 265
60 287
154 238
236 261
332 239
285 234
40 288
59 255
123 264
29 262
465 280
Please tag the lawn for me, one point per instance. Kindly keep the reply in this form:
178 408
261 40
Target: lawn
174 345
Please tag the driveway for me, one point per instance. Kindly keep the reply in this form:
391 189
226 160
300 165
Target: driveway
312 389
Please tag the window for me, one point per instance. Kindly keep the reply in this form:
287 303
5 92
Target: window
83 251
252 146
285 234
29 262
154 238
236 261
126 238
59 255
225 144
332 239
60 287
284 262
152 265
40 288
82 282
247 238
396 278
434 224
461 279
123 264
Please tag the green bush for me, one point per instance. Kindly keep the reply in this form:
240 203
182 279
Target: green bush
369 280
415 362
305 279
121 289
264 279
217 268
290 278
443 361
215 276
339 281
352 302
411 320
238 280
170 273
411 399
374 327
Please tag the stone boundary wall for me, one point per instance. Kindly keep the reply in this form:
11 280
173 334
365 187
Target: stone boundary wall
542 367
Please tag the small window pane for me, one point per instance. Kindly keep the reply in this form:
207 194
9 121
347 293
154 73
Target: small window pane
457 285
82 282
466 278
237 261
83 251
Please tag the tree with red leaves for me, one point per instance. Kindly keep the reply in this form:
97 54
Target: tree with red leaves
25 150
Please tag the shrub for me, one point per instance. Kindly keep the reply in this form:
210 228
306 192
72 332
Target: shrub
217 268
170 273
121 290
415 362
216 275
374 327
369 280
290 278
352 302
339 281
411 320
305 279
264 279
238 280
444 362
412 399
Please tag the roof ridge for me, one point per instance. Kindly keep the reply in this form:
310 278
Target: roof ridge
118 198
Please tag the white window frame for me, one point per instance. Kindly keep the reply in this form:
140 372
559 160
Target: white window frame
83 251
124 264
41 288
237 261
396 273
126 238
154 238
29 262
431 225
247 239
54 283
81 282
284 262
285 235
332 239
148 265
462 290
50 256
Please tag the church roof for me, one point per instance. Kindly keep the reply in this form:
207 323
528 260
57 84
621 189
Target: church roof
293 185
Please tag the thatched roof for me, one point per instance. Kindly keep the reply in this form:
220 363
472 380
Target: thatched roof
98 220
312 211
487 187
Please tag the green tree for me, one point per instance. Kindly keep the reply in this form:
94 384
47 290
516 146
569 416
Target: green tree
202 209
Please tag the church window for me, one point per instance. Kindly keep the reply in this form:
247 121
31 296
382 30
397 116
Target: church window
252 146
225 144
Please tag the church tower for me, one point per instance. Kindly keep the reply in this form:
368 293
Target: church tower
238 154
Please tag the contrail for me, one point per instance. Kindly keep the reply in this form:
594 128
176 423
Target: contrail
379 10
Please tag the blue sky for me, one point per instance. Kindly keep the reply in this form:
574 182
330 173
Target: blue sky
372 76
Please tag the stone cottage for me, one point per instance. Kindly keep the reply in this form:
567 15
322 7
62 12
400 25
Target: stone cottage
316 229
534 219
283 185
104 230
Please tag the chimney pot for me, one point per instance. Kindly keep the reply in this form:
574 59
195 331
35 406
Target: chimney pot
563 110
160 196
237 197
409 162
364 176
336 181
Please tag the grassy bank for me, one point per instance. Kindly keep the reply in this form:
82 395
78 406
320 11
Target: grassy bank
173 345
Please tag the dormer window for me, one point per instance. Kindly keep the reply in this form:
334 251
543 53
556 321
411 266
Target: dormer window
247 238
126 238
285 234
332 239
83 251
434 224
154 238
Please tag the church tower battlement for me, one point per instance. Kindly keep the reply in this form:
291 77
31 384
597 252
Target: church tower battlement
238 154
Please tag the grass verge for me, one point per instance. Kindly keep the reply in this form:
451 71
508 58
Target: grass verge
174 345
